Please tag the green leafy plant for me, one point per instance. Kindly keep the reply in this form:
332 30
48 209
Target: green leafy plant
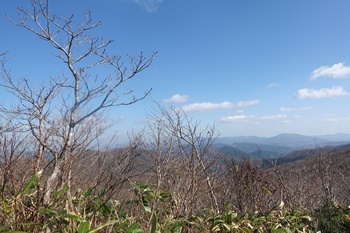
332 218
280 219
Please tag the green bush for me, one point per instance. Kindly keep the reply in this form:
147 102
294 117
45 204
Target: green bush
332 218
90 213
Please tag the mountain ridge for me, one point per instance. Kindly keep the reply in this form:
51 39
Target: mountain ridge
286 139
278 146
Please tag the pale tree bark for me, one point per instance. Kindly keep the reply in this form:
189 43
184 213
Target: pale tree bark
76 97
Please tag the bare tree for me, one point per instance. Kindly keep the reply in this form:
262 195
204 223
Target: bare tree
54 112
182 160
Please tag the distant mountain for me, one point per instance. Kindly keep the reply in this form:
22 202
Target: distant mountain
251 150
286 147
310 153
252 147
336 137
229 150
266 154
240 139
295 140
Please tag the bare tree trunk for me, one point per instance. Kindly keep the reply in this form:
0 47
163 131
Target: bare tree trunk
52 181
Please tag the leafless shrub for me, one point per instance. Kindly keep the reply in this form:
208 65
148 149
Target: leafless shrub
181 160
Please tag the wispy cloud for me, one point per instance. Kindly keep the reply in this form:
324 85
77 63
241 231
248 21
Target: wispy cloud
209 106
284 109
206 106
274 117
321 93
236 118
336 119
257 120
273 85
336 71
177 98
149 5
246 103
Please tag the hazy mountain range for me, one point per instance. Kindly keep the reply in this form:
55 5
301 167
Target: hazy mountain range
277 146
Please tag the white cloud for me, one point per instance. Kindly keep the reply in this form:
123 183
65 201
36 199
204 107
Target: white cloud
284 109
273 85
208 106
149 5
321 93
236 118
242 117
336 119
336 71
274 117
177 98
246 103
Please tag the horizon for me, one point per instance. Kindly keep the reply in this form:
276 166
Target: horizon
345 134
250 68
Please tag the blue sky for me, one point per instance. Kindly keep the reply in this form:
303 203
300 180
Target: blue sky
251 67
